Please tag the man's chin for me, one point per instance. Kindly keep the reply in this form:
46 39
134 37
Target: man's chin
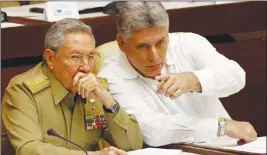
152 75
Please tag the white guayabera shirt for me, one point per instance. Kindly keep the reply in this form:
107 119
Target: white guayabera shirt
192 117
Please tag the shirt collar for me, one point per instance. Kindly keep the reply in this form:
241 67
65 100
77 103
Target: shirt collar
169 55
58 90
127 71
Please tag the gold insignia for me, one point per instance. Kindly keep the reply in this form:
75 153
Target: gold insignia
37 84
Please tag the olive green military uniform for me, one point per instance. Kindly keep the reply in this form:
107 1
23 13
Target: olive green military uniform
36 101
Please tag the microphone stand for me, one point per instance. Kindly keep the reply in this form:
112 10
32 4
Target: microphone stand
52 132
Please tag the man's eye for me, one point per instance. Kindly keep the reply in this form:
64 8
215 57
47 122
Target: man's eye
142 46
75 57
91 56
160 42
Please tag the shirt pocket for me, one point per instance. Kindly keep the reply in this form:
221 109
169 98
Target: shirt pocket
91 139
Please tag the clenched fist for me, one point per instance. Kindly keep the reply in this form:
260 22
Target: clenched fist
240 130
87 85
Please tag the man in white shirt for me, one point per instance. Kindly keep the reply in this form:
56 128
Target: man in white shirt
172 81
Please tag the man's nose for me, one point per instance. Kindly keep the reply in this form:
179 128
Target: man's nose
85 67
153 54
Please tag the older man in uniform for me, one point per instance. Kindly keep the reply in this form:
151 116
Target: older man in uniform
62 93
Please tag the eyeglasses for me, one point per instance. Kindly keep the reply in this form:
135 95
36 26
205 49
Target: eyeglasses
76 59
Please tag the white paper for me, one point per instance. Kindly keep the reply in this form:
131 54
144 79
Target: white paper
223 141
257 146
155 151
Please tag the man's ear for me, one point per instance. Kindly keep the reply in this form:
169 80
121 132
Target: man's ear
120 42
48 55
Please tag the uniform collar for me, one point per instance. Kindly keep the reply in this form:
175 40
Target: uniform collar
58 90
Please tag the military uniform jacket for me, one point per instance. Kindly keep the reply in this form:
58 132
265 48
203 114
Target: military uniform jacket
36 101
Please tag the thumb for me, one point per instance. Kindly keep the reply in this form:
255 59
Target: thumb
164 77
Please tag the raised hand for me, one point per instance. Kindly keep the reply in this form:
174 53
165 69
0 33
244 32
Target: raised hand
87 85
174 85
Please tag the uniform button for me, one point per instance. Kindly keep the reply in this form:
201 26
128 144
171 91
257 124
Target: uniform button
121 120
96 140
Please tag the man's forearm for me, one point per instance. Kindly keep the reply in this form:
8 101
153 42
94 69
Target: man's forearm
39 148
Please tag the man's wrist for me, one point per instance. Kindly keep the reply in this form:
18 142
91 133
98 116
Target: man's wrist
114 108
109 105
197 86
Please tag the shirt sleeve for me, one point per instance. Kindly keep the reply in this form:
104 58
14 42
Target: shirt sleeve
218 75
20 118
159 128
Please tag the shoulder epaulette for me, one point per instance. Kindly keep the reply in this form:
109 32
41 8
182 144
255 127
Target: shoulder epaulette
37 84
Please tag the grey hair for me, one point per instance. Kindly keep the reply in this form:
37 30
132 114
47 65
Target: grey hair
136 15
56 33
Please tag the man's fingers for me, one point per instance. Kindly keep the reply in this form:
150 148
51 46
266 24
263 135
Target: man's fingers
163 77
163 87
81 85
111 153
91 96
118 151
247 138
77 77
85 84
87 91
171 90
160 85
178 93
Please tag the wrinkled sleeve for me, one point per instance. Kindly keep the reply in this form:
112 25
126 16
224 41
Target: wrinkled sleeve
125 130
218 75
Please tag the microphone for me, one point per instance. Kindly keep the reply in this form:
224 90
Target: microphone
52 132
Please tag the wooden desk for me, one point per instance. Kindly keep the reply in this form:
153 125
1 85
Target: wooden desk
206 150
8 150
